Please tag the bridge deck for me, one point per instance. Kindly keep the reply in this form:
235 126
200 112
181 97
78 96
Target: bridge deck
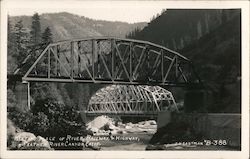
130 113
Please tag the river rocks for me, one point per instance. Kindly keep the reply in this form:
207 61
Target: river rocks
93 130
104 123
128 127
41 141
99 122
149 122
23 138
17 139
155 147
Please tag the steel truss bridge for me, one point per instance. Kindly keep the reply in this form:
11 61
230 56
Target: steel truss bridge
127 100
110 60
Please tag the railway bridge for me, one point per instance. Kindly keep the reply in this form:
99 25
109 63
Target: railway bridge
138 69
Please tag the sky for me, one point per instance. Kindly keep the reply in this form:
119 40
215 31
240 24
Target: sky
126 11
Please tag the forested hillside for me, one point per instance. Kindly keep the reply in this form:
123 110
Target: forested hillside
176 28
212 40
64 26
26 33
54 106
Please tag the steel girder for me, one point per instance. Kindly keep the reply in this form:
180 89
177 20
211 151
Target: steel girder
131 100
109 60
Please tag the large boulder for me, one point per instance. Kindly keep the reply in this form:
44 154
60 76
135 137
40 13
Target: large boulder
28 141
42 141
99 122
22 138
152 122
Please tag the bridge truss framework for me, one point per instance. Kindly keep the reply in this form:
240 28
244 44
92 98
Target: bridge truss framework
108 60
126 100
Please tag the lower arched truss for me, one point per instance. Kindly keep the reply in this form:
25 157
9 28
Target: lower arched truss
131 100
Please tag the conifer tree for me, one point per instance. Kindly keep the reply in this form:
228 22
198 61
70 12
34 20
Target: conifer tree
21 38
11 48
199 30
35 31
11 39
10 36
47 36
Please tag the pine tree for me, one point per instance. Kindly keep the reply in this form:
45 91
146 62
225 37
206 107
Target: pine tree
182 43
35 31
11 48
207 19
134 33
199 30
11 39
21 37
10 35
174 44
47 36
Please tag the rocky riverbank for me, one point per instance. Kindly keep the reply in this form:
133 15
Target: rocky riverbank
104 125
17 139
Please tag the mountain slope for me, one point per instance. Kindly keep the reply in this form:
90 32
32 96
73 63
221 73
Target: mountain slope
66 26
176 28
217 57
220 50
213 44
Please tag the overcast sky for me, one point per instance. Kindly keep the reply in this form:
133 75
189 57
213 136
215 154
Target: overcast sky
126 11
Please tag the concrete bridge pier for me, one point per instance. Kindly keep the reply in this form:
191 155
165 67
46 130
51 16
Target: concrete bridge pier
197 100
22 94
